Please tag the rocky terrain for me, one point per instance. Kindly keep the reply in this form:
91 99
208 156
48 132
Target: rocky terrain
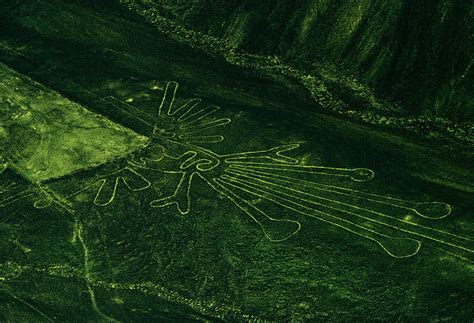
187 161
418 54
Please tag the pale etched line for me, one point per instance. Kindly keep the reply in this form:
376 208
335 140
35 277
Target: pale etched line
118 177
111 100
205 126
197 116
203 139
241 160
144 179
215 158
258 216
276 154
8 187
41 133
186 135
187 108
184 185
103 182
439 240
253 177
98 200
30 306
356 229
43 204
355 174
454 255
166 102
3 165
188 128
16 197
78 234
145 287
384 200
244 155
189 161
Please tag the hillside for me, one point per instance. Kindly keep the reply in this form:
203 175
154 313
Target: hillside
416 53
151 172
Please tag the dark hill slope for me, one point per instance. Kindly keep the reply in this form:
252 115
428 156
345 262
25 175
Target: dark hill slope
417 53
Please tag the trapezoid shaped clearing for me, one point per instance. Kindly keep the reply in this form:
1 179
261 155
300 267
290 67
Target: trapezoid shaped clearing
43 135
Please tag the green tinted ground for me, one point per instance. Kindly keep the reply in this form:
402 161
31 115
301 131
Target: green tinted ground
46 136
96 245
